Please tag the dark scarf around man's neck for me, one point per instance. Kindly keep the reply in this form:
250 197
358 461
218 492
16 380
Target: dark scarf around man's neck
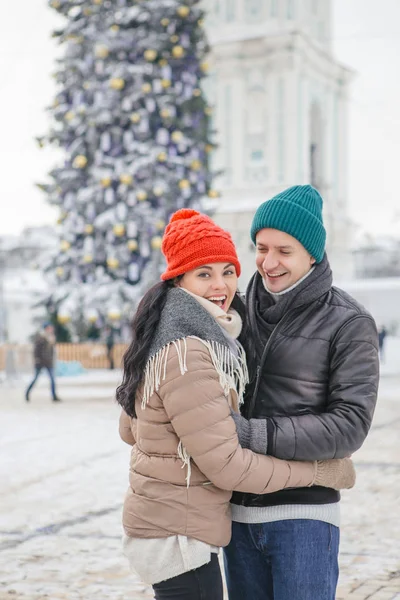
265 312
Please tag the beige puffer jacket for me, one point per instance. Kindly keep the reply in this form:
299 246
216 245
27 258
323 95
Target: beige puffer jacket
193 410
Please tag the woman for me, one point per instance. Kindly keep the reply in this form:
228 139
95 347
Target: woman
183 373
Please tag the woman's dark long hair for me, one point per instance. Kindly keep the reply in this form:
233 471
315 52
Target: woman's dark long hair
143 327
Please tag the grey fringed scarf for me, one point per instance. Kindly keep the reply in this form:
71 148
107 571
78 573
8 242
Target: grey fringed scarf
185 317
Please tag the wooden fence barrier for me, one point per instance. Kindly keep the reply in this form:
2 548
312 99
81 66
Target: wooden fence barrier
19 357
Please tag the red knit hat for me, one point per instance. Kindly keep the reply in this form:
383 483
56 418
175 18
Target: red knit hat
192 240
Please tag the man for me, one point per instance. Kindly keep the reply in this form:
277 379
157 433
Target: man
43 354
110 342
313 397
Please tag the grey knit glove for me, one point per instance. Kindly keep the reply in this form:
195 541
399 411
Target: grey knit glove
338 474
252 434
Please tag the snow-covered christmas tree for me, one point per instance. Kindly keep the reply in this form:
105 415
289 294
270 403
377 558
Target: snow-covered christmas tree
133 122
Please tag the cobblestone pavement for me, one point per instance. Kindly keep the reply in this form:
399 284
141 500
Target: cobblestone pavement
63 475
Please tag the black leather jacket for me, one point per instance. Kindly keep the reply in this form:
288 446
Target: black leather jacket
317 386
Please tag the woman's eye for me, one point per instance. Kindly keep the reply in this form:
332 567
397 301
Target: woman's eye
204 275
229 272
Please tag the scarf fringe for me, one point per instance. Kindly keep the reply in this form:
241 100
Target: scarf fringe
232 371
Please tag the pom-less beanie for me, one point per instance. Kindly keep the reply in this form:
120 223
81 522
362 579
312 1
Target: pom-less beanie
298 212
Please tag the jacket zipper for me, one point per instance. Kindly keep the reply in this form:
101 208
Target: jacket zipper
263 359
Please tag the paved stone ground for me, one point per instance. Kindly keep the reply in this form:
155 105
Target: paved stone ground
63 475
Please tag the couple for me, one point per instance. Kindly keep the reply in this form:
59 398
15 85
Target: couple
205 422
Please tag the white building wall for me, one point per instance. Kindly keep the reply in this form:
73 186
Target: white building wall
271 62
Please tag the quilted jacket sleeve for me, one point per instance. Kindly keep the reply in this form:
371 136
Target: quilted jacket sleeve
352 395
126 426
200 416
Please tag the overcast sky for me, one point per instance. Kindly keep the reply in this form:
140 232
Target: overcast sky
366 38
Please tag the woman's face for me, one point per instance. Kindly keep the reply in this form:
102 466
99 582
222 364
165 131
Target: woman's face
216 282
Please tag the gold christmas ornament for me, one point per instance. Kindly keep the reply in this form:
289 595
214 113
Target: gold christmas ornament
146 88
200 22
164 22
101 51
92 318
183 11
114 314
117 83
196 92
184 184
162 157
163 62
80 161
88 258
135 117
105 182
86 85
160 225
132 245
89 228
114 28
156 242
150 55
165 113
63 318
141 195
119 229
166 83
55 4
65 245
87 12
59 271
178 52
209 148
205 67
158 191
208 111
113 263
174 38
213 194
195 165
69 115
177 136
126 179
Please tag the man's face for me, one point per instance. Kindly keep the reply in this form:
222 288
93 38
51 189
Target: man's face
281 260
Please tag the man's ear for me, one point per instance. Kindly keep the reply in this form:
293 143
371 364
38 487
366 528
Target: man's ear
312 260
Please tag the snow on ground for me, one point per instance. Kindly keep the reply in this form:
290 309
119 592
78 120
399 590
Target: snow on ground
64 473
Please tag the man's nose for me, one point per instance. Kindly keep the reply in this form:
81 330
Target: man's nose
270 262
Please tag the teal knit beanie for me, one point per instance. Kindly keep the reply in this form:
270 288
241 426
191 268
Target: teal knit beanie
298 212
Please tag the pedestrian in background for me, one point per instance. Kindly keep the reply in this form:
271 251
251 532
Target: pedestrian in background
110 343
381 338
43 355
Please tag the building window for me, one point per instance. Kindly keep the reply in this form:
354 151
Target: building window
257 156
230 10
290 9
254 8
274 8
314 5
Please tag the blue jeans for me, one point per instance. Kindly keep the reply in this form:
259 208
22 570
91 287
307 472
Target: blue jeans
52 381
285 560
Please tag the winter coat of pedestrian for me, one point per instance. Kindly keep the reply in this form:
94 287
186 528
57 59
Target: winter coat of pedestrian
314 392
184 372
43 356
